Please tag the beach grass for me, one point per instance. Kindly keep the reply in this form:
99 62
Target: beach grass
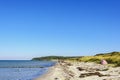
112 58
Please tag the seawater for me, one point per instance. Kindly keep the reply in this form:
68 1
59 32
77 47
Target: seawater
23 69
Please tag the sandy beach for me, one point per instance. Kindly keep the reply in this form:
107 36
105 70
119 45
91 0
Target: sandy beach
81 71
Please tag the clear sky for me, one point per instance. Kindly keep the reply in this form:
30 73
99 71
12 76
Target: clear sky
32 28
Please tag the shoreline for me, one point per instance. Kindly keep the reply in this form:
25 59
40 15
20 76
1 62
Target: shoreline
51 73
80 71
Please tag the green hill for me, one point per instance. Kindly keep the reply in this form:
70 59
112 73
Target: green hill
111 58
48 58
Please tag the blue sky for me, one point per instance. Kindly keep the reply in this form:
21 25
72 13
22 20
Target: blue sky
32 28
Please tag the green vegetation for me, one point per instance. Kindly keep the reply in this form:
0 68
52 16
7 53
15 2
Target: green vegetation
112 58
49 58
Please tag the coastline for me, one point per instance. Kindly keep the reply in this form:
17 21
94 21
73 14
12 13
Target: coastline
80 71
51 73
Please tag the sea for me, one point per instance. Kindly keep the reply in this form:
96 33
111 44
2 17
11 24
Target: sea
23 69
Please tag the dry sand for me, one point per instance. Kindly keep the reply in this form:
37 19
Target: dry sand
81 71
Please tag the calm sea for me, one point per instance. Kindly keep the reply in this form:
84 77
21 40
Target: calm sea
23 69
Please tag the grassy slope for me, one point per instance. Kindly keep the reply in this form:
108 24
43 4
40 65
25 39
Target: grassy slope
112 58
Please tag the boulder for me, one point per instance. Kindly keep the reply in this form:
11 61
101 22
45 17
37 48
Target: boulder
104 62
